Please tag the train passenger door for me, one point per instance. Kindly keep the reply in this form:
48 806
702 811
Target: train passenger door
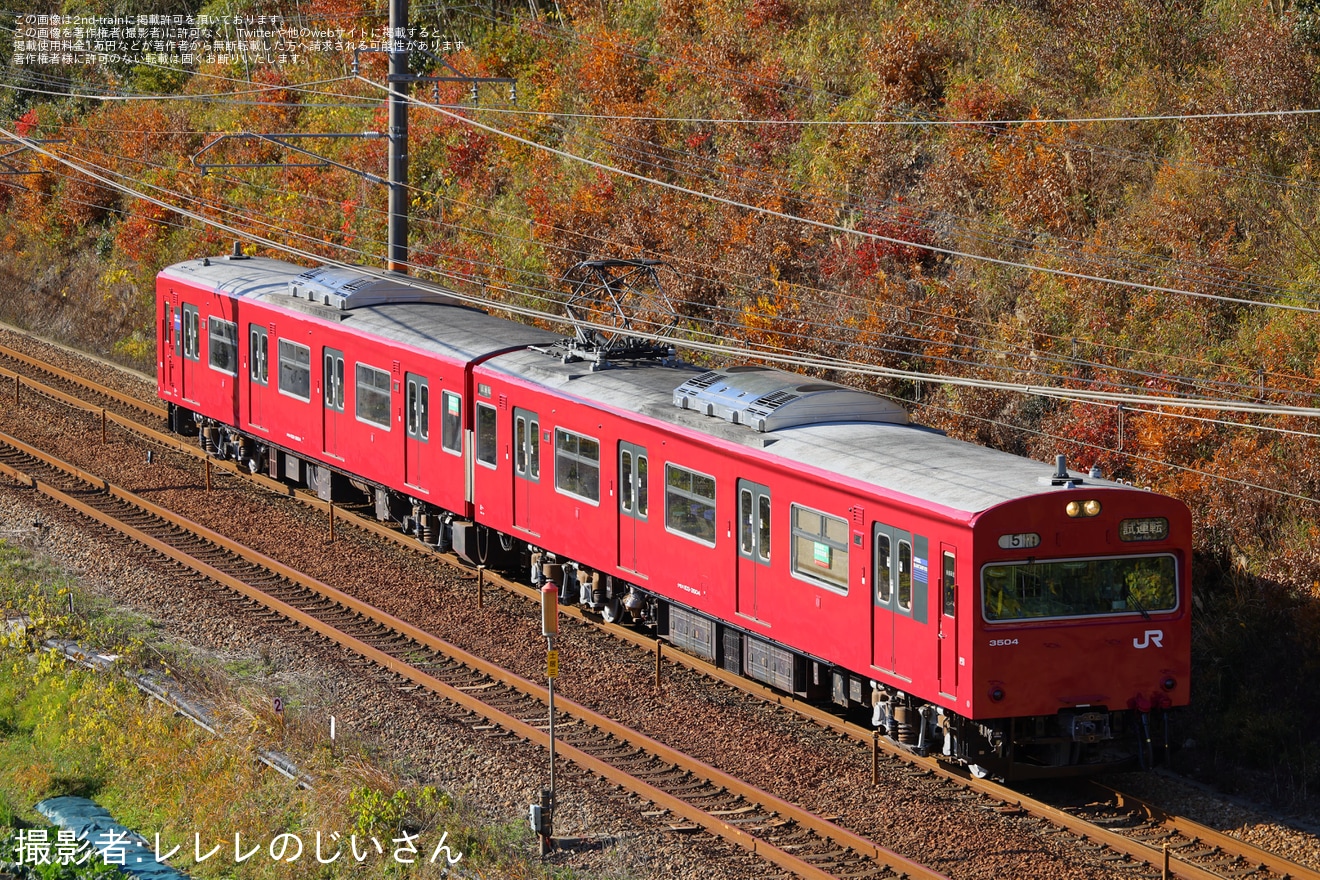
633 507
753 544
258 374
165 346
417 433
526 466
190 349
948 670
332 393
892 600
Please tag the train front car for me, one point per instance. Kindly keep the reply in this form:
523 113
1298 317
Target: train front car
1082 640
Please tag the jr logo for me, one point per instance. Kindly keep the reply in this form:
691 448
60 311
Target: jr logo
1152 637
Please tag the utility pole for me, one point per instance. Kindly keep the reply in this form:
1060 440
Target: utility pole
398 80
542 815
398 121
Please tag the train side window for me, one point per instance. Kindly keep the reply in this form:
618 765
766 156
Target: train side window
526 445
763 518
487 447
222 345
371 395
950 591
641 485
534 449
424 418
690 503
746 537
905 575
295 370
626 481
332 379
258 350
418 406
577 465
190 341
451 423
820 547
884 570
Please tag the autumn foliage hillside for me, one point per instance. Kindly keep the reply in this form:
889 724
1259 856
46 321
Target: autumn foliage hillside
959 198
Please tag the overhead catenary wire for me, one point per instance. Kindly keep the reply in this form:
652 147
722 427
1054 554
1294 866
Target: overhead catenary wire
1000 350
1040 354
803 338
716 347
770 212
296 251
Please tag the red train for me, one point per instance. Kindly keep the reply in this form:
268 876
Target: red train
1023 619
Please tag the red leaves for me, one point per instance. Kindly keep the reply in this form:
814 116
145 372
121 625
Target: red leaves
27 123
897 241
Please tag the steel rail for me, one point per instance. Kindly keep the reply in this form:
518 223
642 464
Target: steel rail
1137 850
1198 833
767 803
41 366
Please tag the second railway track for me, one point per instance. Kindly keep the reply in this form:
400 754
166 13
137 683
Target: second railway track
779 832
1131 832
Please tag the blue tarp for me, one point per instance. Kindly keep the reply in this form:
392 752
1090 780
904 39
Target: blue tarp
117 845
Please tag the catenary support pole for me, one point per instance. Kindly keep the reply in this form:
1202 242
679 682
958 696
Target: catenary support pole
398 140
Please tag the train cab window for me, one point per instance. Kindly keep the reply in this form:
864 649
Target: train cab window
1025 590
820 547
905 575
577 465
690 503
884 569
371 395
222 345
950 585
191 349
451 423
487 447
295 370
258 352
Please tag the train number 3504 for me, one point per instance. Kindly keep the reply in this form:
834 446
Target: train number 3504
1001 643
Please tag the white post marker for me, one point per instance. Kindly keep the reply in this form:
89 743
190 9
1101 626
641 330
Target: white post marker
550 629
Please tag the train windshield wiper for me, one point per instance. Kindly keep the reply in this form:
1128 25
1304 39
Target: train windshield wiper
1132 599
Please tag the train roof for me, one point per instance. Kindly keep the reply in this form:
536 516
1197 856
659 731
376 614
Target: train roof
912 460
800 420
401 309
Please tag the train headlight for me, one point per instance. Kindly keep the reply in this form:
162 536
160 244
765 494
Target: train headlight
1090 507
997 694
1169 683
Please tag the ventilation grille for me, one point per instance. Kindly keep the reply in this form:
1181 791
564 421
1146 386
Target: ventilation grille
350 288
765 400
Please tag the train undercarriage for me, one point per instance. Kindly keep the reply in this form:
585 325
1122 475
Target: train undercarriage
1072 742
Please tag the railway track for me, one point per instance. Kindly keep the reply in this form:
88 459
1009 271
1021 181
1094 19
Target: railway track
1123 831
490 697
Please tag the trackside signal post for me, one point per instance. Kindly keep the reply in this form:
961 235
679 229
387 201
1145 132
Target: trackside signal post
542 815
